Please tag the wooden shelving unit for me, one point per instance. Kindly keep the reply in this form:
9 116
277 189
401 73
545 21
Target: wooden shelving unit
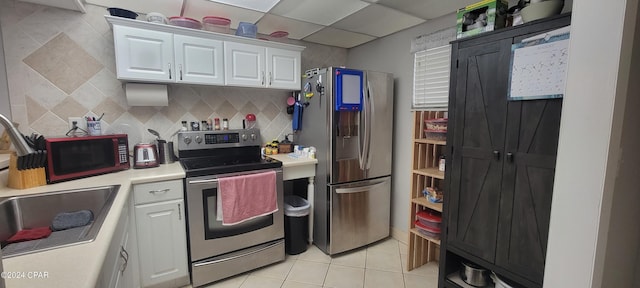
424 173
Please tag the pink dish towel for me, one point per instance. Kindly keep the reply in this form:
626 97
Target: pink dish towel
242 198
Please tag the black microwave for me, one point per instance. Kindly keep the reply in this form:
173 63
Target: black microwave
76 157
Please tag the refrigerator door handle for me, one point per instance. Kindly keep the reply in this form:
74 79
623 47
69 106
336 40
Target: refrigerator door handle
369 115
359 188
360 141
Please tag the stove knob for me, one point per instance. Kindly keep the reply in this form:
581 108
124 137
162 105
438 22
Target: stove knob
253 136
244 137
187 140
198 139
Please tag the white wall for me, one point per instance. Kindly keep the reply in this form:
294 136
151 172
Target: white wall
392 54
594 236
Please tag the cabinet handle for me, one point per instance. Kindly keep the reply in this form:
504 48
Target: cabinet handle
180 69
496 154
169 70
262 77
270 78
509 156
125 255
159 191
179 213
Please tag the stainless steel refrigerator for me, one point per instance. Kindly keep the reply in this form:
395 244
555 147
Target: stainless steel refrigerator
347 115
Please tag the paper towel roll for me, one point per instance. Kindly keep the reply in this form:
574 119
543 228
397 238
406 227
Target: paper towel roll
146 94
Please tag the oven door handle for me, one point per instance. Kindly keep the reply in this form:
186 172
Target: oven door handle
237 256
207 181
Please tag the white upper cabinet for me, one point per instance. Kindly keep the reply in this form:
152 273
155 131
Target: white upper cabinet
256 66
198 60
152 52
245 64
143 54
283 68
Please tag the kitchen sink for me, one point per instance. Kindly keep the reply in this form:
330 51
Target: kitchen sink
38 210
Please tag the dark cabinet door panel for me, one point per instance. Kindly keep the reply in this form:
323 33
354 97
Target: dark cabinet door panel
531 145
478 141
473 228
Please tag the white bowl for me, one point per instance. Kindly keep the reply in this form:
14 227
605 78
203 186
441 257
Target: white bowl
156 17
541 10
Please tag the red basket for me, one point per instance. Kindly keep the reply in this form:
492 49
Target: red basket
438 124
435 135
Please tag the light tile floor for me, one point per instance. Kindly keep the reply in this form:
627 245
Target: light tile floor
381 264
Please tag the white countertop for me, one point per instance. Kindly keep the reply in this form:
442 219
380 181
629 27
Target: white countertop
79 265
288 161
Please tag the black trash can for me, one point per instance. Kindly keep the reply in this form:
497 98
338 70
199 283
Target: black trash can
296 224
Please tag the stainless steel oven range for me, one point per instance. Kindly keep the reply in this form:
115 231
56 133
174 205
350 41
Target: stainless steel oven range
216 251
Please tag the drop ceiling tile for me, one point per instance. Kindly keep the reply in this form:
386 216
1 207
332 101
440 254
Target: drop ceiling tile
297 29
197 9
258 5
377 20
324 12
340 38
427 9
166 7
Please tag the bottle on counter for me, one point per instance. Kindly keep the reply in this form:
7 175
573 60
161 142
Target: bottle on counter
216 123
204 125
195 126
225 124
441 163
209 124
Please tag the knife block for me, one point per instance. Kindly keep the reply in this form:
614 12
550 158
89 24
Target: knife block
23 179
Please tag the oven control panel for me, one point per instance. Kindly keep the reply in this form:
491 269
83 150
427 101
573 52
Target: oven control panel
195 140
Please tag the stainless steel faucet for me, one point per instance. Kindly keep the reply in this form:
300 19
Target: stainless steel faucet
16 137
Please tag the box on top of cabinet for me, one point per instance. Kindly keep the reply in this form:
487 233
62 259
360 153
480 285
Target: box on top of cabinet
487 15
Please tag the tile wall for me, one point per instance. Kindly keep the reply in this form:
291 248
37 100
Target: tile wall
61 63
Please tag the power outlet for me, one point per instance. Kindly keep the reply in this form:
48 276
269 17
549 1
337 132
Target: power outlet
80 122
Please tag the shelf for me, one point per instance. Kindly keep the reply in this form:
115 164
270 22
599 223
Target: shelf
431 172
455 278
422 201
415 231
427 141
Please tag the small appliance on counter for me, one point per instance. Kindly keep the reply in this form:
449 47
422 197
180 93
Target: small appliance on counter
76 157
145 155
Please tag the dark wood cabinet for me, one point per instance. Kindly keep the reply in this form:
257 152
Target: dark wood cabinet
500 163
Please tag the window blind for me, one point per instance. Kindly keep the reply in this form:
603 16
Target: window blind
431 78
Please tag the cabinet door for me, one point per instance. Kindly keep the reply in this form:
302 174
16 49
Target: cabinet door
532 142
162 241
283 68
198 60
244 65
143 55
125 269
478 141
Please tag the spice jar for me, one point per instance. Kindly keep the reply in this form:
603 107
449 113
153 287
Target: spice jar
216 123
441 163
225 124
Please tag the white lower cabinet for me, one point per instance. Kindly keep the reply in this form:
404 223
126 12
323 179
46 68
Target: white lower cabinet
117 269
161 234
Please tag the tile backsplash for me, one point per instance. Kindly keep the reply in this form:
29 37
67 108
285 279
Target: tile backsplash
61 64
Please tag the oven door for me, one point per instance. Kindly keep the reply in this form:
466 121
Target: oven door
208 237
